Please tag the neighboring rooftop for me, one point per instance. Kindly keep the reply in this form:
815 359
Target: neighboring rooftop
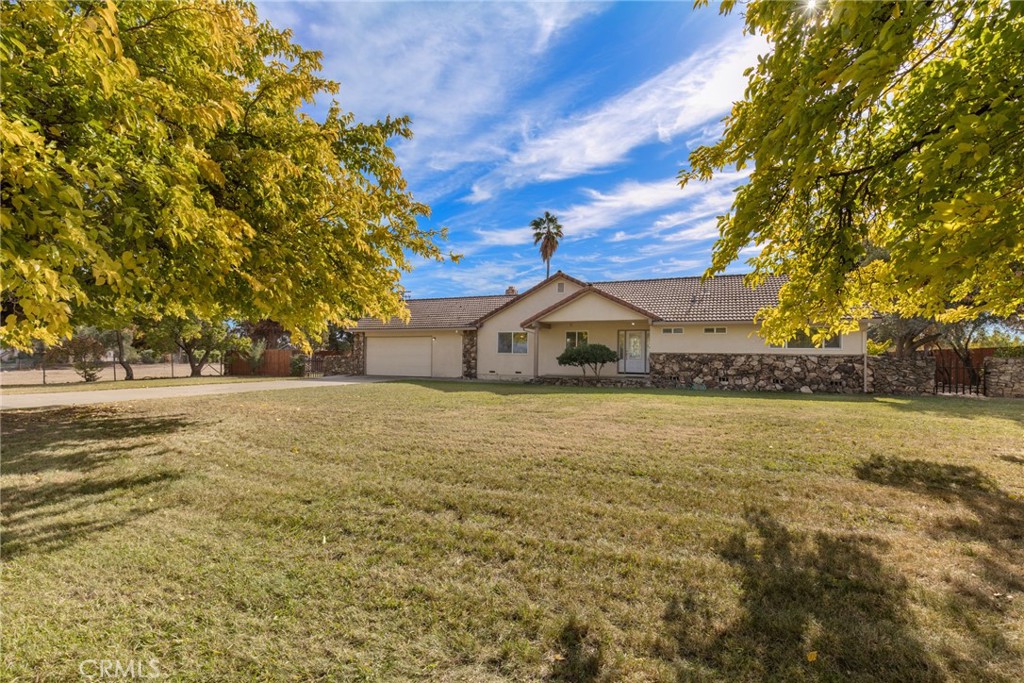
676 299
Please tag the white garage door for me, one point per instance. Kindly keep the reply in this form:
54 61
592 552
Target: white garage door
406 356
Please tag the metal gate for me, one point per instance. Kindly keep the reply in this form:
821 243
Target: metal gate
954 376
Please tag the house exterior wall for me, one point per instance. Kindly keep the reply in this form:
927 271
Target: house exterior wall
739 338
552 343
445 352
592 307
490 363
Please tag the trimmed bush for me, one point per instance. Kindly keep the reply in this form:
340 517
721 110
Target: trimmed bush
593 356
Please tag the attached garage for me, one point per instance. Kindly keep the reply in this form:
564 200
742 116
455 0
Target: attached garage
435 354
400 356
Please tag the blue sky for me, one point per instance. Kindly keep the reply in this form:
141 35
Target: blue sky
587 110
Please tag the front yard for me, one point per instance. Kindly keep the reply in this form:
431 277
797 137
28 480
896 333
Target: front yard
473 532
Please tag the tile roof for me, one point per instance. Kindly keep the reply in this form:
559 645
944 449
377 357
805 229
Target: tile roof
453 312
724 298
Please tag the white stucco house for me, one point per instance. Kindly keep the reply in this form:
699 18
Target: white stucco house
668 332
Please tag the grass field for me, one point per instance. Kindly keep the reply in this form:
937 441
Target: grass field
134 384
473 532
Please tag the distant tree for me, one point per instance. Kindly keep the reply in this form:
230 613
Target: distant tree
336 338
890 124
254 355
271 333
962 337
198 339
905 335
547 232
85 351
593 356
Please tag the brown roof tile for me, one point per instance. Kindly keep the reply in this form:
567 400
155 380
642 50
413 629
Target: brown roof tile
451 312
724 298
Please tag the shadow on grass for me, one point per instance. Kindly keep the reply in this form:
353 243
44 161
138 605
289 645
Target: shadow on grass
580 656
993 517
815 608
41 519
947 406
36 440
58 489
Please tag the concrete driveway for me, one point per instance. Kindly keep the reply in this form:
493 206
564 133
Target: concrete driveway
85 397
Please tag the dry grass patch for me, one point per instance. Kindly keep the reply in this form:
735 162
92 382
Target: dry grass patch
474 532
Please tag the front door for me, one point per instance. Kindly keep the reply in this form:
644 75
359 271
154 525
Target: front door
634 354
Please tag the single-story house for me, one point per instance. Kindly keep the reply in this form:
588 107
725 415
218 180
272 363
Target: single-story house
668 332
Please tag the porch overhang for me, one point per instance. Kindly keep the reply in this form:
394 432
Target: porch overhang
589 305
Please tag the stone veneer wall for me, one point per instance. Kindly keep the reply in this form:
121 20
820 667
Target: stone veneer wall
1004 377
352 363
469 354
908 376
758 372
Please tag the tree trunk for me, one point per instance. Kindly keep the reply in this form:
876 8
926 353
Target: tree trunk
128 372
197 365
548 262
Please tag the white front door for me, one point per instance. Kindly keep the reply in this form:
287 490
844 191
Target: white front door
635 352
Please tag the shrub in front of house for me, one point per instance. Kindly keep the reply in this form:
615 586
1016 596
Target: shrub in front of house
593 356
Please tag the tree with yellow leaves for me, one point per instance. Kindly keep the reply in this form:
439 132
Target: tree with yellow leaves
886 140
156 163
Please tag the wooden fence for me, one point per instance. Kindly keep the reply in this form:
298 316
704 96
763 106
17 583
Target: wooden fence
275 363
953 376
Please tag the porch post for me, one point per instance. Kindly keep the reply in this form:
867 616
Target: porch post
536 352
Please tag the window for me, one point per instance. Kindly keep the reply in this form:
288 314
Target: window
714 330
561 287
671 330
806 341
574 339
512 342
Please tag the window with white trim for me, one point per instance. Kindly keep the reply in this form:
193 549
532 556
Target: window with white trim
575 338
715 330
671 330
512 342
806 341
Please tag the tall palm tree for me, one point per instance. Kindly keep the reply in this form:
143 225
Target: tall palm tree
547 232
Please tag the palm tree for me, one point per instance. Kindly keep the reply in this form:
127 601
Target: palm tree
547 232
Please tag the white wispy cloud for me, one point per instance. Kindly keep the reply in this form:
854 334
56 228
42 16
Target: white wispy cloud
631 201
686 97
452 67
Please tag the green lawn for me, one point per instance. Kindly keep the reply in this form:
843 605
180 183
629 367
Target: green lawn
473 532
133 384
